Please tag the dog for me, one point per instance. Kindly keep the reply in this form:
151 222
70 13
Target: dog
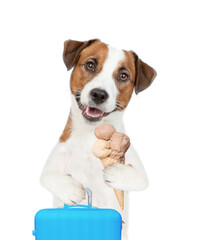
102 82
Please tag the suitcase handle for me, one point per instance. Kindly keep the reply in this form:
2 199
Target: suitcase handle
89 195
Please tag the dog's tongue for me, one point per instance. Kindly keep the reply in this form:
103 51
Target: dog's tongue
94 112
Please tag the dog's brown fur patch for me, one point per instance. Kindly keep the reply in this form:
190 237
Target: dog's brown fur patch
125 88
67 130
80 76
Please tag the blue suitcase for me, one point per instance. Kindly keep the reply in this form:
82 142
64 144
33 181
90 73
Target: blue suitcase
80 222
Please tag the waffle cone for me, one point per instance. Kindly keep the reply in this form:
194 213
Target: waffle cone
119 194
108 161
120 197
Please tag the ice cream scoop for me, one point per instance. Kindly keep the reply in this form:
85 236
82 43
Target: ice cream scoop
104 131
101 148
119 144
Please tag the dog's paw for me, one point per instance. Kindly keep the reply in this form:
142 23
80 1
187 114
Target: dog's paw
70 191
124 177
115 175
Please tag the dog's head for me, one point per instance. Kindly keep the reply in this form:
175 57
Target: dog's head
104 77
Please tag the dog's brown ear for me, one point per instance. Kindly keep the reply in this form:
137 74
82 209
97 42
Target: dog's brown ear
144 75
72 50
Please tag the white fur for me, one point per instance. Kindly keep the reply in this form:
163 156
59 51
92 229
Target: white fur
72 165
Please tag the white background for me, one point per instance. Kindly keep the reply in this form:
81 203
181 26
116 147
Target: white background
166 123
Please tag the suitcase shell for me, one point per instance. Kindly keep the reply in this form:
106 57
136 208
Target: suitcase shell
80 222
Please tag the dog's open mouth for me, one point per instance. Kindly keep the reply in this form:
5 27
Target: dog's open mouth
91 113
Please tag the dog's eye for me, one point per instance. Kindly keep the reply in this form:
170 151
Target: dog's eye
90 66
123 76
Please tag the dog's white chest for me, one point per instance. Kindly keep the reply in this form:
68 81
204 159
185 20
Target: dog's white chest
81 156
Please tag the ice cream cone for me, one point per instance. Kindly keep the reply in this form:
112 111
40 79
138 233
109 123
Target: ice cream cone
119 194
110 148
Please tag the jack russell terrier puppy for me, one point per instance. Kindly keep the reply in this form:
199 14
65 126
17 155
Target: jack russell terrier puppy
102 82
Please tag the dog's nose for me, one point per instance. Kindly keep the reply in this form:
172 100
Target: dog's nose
98 95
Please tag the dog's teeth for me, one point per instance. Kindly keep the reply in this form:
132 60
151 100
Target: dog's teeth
90 114
87 110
